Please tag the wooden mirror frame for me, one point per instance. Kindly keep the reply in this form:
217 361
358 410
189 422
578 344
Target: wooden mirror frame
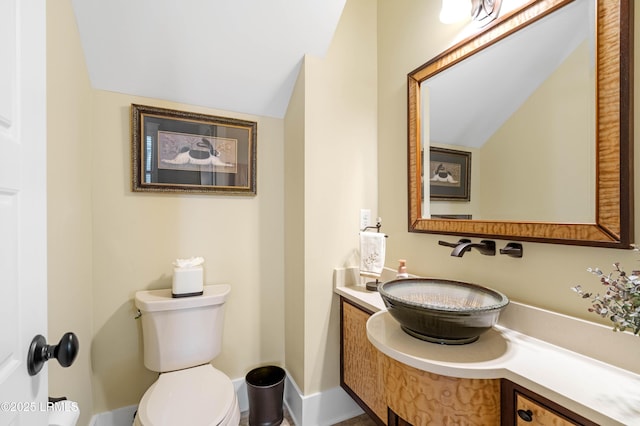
613 225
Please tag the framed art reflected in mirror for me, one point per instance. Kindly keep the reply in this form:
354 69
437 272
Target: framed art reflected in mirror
449 174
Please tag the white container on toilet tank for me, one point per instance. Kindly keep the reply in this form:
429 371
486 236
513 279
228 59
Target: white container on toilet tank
183 332
188 277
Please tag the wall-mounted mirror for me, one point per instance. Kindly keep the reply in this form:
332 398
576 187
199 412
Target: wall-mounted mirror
524 130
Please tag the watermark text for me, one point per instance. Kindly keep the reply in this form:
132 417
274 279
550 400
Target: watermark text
31 406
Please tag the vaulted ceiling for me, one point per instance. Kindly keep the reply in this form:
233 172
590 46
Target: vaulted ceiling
234 55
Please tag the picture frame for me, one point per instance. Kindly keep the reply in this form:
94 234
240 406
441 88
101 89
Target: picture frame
186 152
452 216
449 174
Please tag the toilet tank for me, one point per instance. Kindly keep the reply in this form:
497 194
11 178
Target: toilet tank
181 332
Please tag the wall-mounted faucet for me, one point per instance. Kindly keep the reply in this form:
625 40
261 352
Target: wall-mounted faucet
486 247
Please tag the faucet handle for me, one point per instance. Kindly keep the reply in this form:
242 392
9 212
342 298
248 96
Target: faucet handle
460 241
512 250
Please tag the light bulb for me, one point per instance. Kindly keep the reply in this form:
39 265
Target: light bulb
455 11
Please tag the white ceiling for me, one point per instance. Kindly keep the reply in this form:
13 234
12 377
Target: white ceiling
234 55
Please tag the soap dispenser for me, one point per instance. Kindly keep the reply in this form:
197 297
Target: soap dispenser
402 269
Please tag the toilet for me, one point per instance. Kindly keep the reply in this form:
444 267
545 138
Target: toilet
180 337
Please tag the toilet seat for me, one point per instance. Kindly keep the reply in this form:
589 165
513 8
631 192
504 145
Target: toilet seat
193 396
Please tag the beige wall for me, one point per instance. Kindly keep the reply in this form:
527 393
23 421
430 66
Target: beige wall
69 205
409 33
136 236
335 138
294 217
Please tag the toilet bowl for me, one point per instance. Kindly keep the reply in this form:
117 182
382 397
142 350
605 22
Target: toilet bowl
194 396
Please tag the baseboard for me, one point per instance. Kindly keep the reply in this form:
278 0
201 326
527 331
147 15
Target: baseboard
241 393
319 409
118 417
324 408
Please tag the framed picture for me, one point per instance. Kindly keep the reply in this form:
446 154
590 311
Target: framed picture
177 151
452 216
449 174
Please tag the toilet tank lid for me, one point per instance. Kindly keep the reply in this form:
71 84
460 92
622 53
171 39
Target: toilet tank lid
161 300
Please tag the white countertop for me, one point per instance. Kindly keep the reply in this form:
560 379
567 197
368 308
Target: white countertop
600 391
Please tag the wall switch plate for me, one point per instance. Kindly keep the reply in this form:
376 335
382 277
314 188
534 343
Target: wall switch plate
365 218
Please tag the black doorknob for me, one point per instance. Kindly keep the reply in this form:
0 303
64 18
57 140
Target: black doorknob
39 352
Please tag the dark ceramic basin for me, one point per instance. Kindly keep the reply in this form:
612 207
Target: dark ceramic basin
442 311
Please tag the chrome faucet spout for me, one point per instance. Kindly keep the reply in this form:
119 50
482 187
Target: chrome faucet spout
486 247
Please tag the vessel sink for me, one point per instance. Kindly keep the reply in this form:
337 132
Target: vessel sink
442 311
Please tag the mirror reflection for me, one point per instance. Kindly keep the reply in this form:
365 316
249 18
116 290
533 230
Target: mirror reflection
605 164
509 133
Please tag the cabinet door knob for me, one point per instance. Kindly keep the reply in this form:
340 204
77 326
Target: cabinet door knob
527 415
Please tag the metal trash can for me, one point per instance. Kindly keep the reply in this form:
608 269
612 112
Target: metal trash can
265 388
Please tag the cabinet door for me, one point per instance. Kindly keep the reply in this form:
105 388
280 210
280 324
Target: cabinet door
522 407
530 413
361 372
421 398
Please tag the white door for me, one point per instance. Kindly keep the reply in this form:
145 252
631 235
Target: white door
23 256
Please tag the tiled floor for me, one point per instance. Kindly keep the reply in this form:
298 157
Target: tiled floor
362 420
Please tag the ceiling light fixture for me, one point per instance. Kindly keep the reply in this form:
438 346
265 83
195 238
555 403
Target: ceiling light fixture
485 11
481 11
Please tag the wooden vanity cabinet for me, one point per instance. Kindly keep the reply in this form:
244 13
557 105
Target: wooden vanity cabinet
360 362
522 407
396 394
